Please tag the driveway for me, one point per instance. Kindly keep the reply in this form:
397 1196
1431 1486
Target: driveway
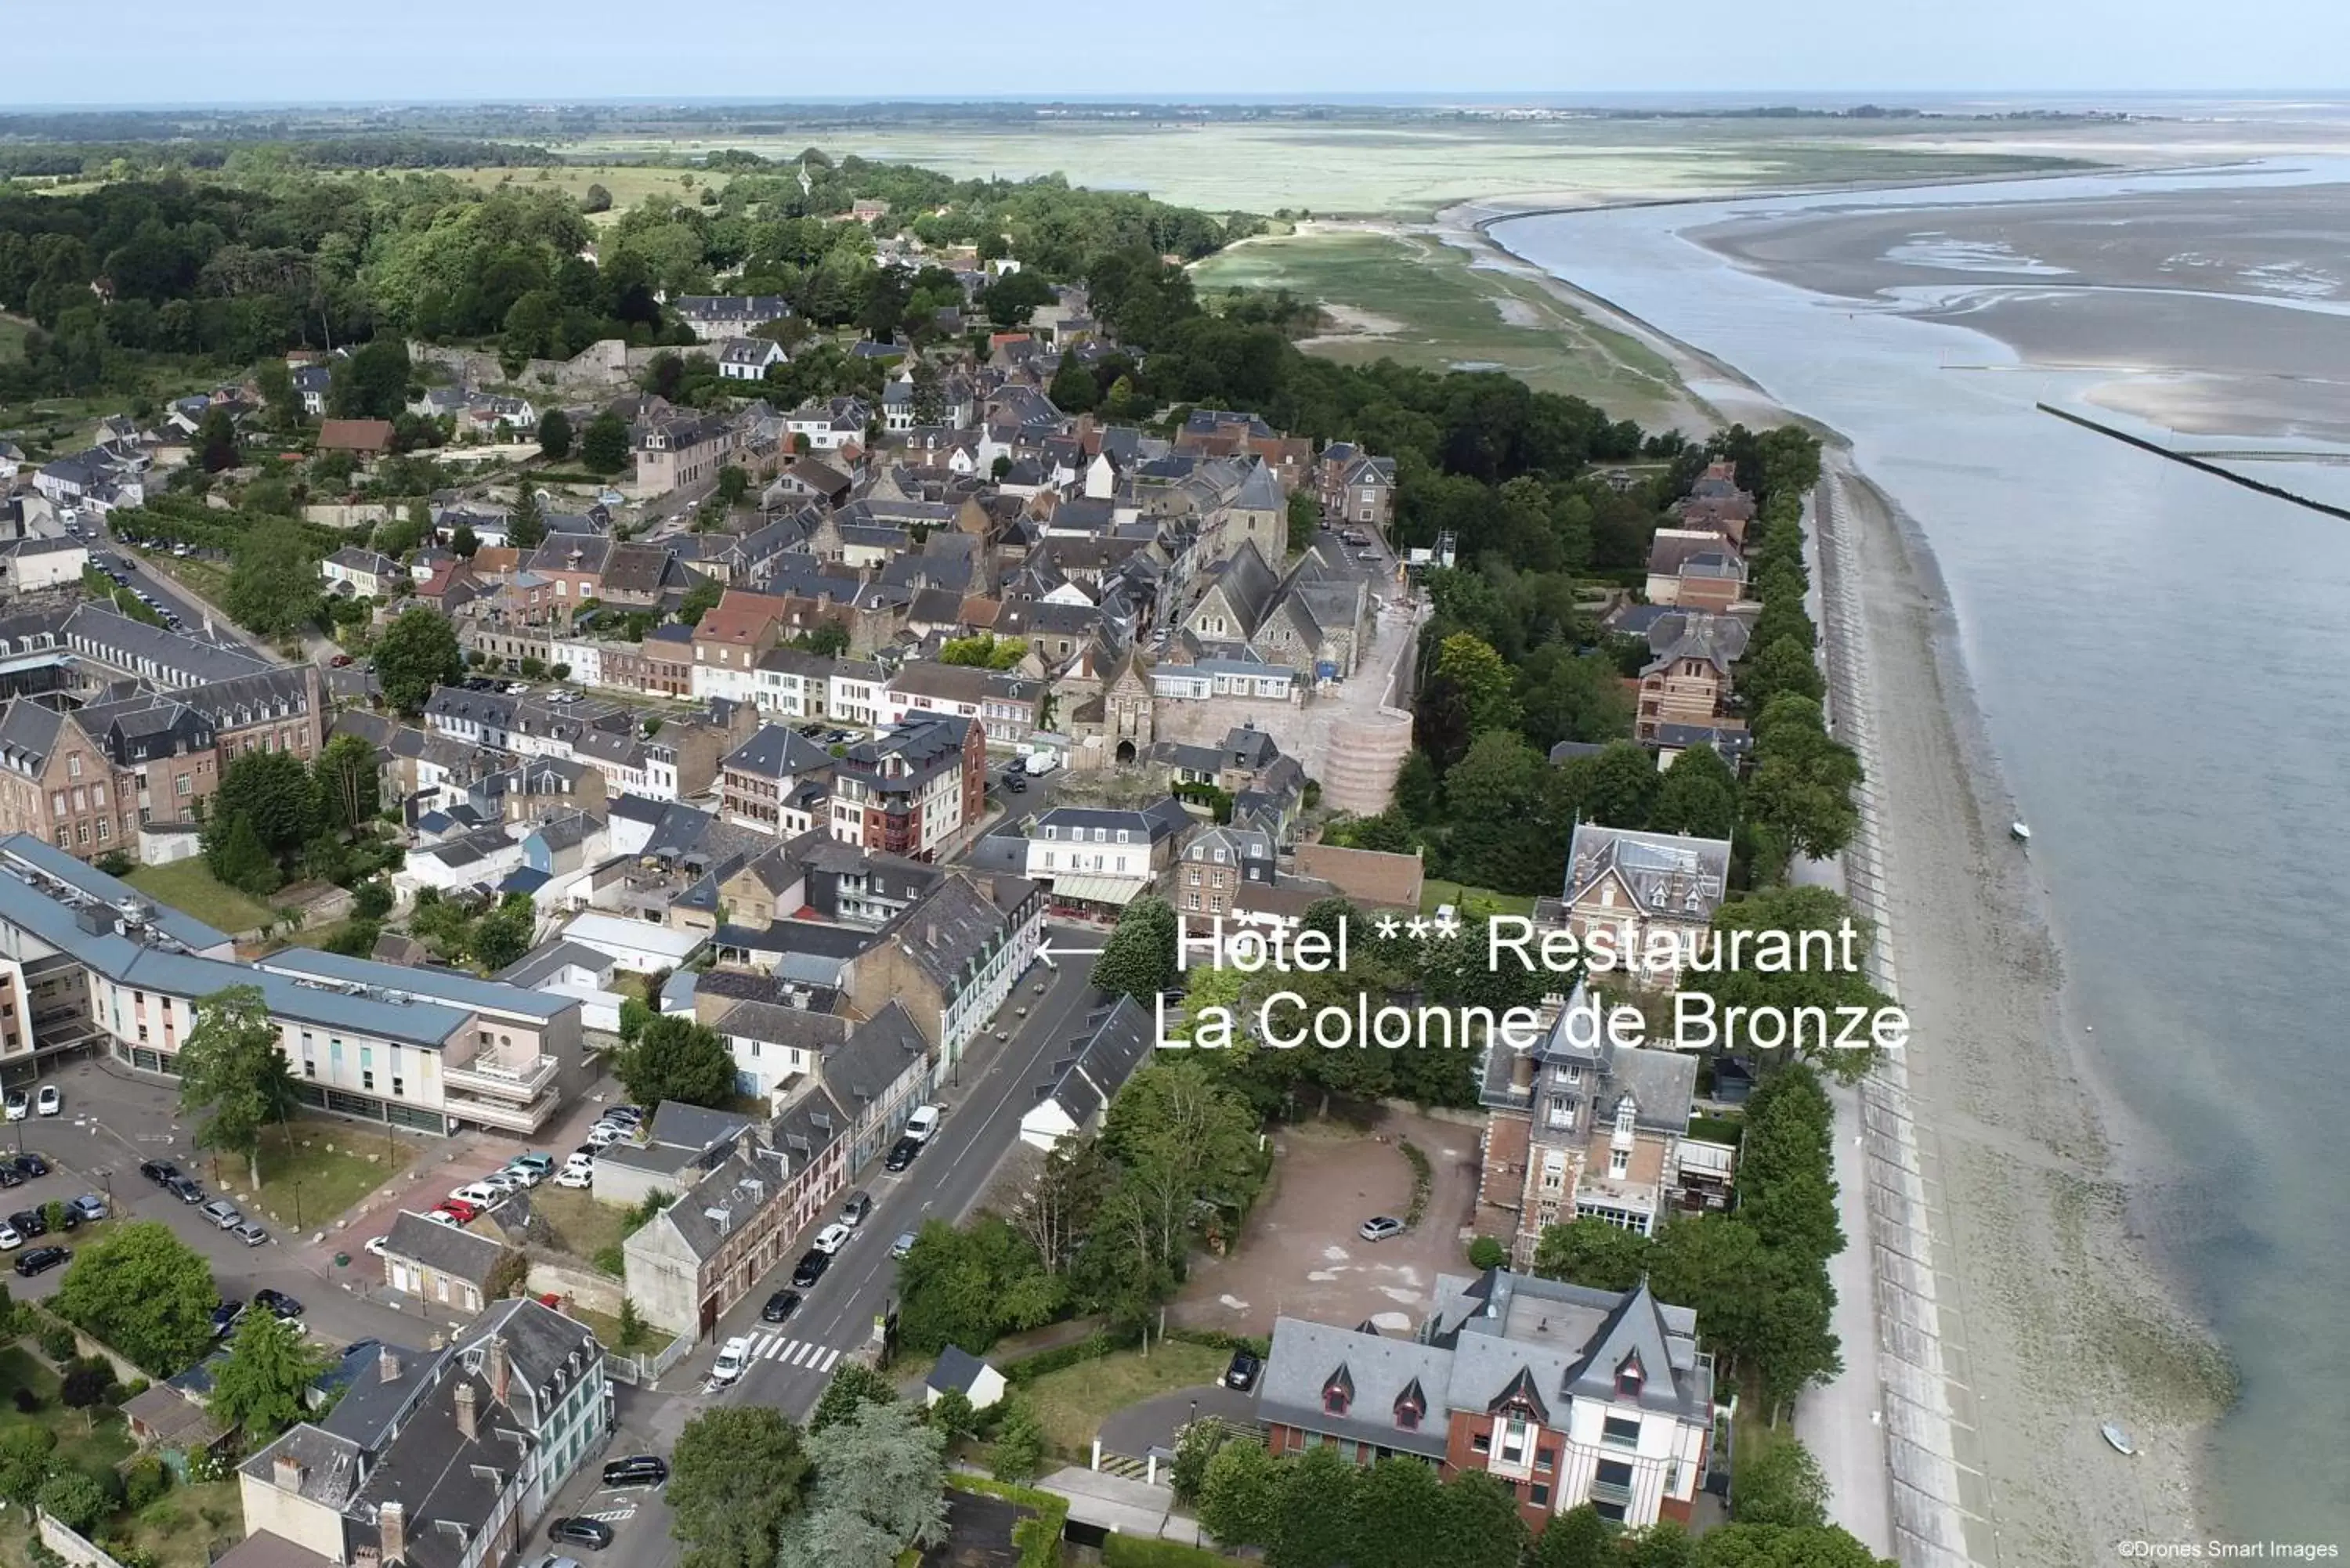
1300 1255
1155 1423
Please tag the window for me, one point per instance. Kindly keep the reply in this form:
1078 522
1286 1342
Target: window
1193 900
1619 1161
367 1080
310 1068
185 787
1539 1495
400 1086
73 767
1620 1431
1482 1442
103 832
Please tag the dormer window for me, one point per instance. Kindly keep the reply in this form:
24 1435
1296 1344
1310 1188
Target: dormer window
1411 1406
1629 1378
1339 1392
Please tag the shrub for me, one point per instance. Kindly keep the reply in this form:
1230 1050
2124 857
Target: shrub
608 1260
1422 1179
27 1402
1485 1252
1140 1551
74 1498
144 1481
372 900
1061 1357
58 1344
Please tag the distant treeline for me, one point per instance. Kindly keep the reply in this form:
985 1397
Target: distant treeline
123 160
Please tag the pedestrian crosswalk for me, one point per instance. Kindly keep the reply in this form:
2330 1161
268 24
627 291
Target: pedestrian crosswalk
800 1353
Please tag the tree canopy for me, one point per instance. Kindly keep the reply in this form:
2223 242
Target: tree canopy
234 1080
676 1058
417 653
143 1291
735 1474
263 1384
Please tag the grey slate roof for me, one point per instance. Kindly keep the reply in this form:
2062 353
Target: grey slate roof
874 1056
445 1248
1098 1063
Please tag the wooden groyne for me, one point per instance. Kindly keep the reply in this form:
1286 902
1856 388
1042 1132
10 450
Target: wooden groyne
2191 461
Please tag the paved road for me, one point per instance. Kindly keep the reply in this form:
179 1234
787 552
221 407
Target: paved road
794 1360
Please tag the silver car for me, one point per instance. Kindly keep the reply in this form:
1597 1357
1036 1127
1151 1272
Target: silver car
223 1213
251 1234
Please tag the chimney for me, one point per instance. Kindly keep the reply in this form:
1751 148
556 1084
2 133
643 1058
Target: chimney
288 1472
387 1364
392 1524
497 1367
466 1423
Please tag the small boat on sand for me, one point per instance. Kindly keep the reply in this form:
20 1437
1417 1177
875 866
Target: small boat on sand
2019 832
2118 1437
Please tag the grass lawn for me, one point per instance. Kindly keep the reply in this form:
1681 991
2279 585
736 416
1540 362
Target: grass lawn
179 1526
629 183
80 1443
652 1342
583 1225
327 1168
208 580
1072 1401
13 332
1472 902
1409 298
190 887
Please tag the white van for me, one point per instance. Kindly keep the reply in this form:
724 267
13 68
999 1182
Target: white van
923 1123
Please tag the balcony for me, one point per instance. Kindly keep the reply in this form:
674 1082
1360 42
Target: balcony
1608 1492
503 1078
505 1114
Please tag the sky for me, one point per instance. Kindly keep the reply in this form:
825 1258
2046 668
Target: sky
288 51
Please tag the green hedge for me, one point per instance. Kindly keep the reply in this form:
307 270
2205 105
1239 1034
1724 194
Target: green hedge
1135 1552
1061 1357
1717 1130
1217 1339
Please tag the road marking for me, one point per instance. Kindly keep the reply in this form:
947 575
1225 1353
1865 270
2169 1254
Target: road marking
808 1351
613 1516
766 1342
825 1364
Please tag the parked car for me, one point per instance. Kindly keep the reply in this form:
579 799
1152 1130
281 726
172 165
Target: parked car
811 1268
832 1238
30 1164
733 1357
48 1102
285 1308
605 1133
631 1114
902 1245
901 1154
185 1191
575 1177
251 1234
1379 1227
41 1259
780 1306
480 1194
224 1317
1241 1373
10 1239
922 1122
378 1246
20 1104
592 1533
88 1206
223 1213
534 1164
636 1470
459 1210
855 1207
161 1172
28 1223
10 1176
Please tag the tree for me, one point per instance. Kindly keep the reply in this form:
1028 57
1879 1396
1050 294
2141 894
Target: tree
1304 519
272 580
75 1500
734 483
853 1384
1398 1515
596 199
503 936
263 1385
526 525
347 782
234 854
216 440
372 384
1832 972
1073 389
417 653
1592 1252
677 1059
604 444
1778 1546
1241 1500
1697 795
1480 1524
555 435
1801 786
926 394
1313 1523
1578 1538
1012 298
27 1455
735 1474
1019 1450
276 794
1781 1484
1486 688
233 1073
1140 957
276 382
465 542
144 1291
699 599
880 1484
88 1384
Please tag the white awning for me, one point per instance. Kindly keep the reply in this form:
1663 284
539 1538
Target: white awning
1118 891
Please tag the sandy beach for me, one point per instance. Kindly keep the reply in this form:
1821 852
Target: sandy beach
2051 1315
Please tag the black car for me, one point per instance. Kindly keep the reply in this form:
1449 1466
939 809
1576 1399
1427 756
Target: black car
161 1172
901 1154
811 1269
592 1533
185 1191
284 1307
29 1223
224 1317
780 1306
10 1176
41 1260
30 1164
1242 1372
637 1470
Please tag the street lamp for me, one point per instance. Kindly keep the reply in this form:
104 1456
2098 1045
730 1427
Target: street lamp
297 1206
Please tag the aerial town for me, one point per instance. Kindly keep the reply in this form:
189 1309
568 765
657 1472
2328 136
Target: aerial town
670 926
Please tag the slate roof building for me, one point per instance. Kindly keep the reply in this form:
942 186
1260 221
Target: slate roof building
1562 1394
1088 1073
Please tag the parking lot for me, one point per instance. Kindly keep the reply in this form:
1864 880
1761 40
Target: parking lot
1300 1255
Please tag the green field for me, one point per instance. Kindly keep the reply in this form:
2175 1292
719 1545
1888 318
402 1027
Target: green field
13 329
1071 1403
190 887
629 184
1372 168
1411 298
